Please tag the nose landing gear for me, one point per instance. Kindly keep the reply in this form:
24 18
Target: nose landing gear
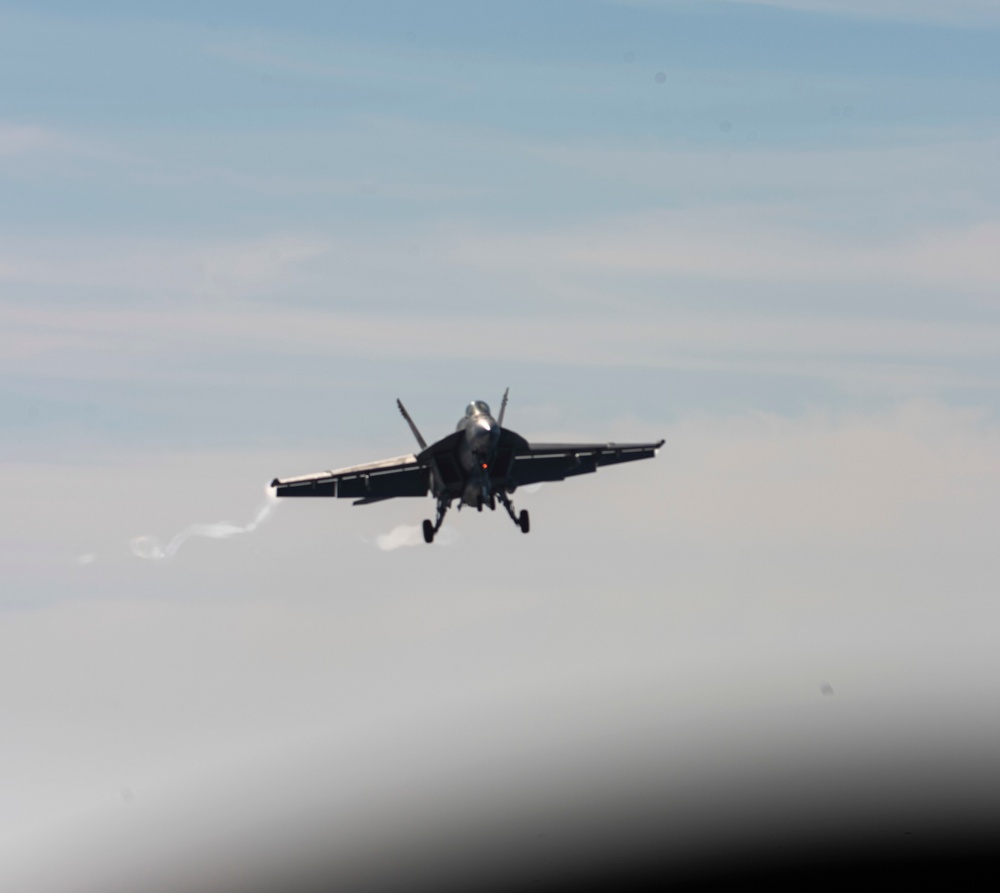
490 501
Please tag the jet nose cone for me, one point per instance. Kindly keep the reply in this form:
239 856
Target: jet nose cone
483 436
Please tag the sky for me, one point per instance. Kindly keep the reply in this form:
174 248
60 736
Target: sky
232 234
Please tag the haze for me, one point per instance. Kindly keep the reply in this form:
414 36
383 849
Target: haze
230 238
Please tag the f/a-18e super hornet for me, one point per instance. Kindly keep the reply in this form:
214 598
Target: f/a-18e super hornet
479 465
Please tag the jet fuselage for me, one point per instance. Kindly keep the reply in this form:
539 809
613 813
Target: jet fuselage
476 449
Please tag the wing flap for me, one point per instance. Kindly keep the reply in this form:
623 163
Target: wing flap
370 482
558 461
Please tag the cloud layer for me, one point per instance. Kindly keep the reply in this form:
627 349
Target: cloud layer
968 13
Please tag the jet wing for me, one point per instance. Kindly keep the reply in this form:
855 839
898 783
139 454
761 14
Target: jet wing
371 482
537 462
442 459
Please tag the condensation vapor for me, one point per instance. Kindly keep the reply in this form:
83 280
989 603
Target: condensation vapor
412 535
151 548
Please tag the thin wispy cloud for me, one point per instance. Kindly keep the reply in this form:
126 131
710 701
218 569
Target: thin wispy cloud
852 346
779 244
184 269
17 139
20 140
968 13
744 244
404 335
763 230
876 476
951 12
261 56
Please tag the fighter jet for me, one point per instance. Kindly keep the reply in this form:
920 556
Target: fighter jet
480 464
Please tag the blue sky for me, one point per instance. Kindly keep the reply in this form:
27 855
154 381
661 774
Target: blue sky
394 160
231 234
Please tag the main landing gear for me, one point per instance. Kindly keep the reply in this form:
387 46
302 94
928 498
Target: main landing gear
520 520
431 529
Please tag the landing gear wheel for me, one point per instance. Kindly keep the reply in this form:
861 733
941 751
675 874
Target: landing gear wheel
430 530
523 522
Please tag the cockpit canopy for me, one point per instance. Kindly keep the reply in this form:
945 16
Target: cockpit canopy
478 407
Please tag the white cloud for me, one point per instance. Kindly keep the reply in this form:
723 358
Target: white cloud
661 607
867 478
738 243
259 55
559 289
957 12
185 270
953 12
901 355
17 139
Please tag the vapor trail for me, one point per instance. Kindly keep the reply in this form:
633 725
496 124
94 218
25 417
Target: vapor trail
151 548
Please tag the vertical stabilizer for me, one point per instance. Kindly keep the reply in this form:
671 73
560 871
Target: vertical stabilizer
413 428
503 407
